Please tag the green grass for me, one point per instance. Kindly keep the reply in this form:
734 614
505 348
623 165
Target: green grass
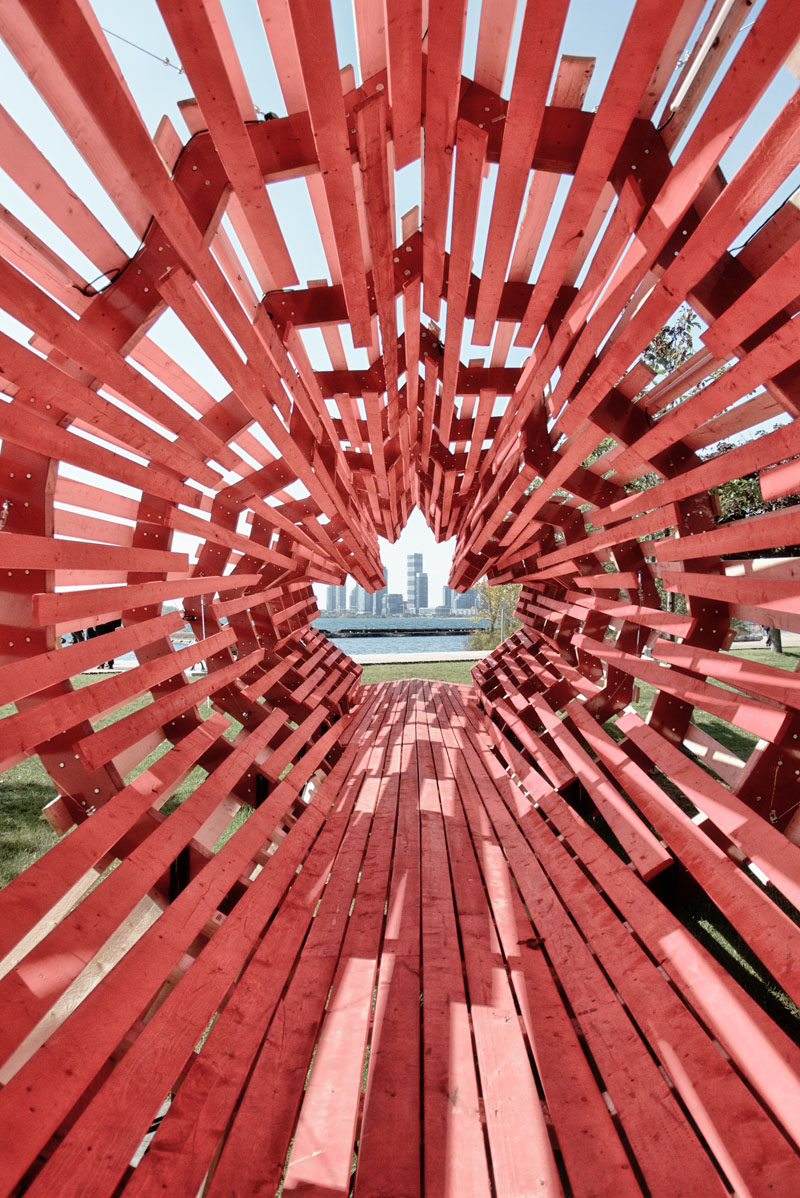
24 836
434 671
737 740
26 789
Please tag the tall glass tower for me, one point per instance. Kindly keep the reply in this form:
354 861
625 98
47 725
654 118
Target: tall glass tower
413 571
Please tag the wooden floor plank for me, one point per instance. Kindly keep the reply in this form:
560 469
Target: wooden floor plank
443 990
100 1144
455 1161
652 1121
261 1131
520 1164
322 1148
594 1157
391 1112
711 1091
205 1100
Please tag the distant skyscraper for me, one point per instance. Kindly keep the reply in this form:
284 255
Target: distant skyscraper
380 596
467 601
353 604
448 598
336 599
413 571
422 591
394 605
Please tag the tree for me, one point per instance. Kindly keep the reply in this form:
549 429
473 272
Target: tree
497 605
674 345
740 498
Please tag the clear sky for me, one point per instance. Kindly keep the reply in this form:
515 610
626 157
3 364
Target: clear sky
593 29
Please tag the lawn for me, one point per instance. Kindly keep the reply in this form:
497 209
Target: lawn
433 671
736 739
26 789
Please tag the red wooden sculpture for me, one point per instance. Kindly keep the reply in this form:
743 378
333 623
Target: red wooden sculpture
442 953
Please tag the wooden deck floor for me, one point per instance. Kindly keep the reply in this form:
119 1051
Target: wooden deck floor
458 993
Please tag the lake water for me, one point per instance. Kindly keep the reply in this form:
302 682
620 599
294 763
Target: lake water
357 645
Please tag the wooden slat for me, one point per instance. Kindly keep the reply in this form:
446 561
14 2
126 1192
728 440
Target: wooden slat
314 36
200 989
195 36
446 39
427 972
534 66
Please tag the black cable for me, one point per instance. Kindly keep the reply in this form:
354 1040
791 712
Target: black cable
766 221
89 288
164 61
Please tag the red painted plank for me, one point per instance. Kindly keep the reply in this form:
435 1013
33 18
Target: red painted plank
19 679
29 897
538 46
714 1095
316 47
371 120
638 57
81 608
446 19
758 718
262 1129
736 894
391 1111
454 1159
404 41
587 1138
644 849
102 746
78 1049
33 726
754 836
519 1164
132 1087
20 426
35 175
735 1019
195 34
470 159
46 553
649 1116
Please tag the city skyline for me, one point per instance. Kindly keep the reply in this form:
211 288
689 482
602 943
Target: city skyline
416 537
